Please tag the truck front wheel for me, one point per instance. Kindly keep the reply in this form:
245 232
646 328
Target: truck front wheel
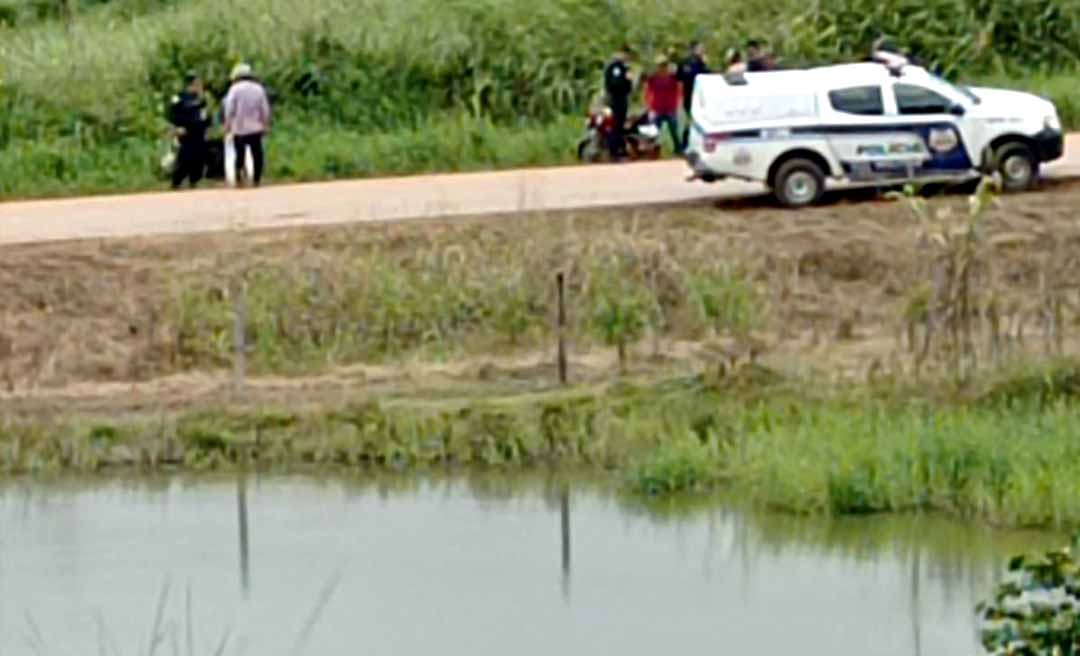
799 182
1017 166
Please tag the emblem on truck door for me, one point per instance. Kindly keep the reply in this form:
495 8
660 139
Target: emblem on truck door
942 140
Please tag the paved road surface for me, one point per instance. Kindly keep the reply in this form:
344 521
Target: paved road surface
383 199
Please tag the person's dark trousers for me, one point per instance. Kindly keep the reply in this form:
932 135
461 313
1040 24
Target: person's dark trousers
686 128
672 122
619 111
190 162
255 144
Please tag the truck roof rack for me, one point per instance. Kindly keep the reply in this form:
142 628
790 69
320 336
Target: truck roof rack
892 61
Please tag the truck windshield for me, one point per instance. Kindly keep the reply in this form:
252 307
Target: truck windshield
962 90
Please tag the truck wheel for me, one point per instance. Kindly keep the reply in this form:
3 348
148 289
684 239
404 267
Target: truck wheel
1017 166
799 182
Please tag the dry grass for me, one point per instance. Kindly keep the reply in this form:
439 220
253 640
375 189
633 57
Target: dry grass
835 289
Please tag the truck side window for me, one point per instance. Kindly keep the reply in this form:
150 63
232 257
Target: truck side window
912 99
865 101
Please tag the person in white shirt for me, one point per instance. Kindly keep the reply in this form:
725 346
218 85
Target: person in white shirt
247 118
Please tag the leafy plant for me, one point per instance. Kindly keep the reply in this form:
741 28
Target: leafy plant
1035 611
623 310
726 301
957 264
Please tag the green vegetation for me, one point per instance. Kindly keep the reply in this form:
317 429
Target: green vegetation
371 87
1035 611
1007 462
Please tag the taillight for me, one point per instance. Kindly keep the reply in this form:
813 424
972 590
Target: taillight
714 140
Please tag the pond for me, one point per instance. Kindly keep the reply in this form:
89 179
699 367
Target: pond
476 565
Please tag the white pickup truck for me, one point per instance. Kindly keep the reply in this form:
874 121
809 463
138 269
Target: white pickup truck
865 124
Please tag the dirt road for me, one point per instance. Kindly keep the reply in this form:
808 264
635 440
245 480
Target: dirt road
385 199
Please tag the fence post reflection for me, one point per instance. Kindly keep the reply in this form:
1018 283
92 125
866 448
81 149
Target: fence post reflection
916 620
564 512
242 517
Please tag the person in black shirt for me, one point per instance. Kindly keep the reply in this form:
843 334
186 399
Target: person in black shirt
619 84
691 67
758 60
187 113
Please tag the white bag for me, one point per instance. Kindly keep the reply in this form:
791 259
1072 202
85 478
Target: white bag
230 162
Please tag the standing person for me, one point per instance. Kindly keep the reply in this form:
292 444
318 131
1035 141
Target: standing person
690 68
247 117
187 113
735 63
757 60
663 95
619 84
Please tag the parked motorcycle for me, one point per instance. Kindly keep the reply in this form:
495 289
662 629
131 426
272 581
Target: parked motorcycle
642 137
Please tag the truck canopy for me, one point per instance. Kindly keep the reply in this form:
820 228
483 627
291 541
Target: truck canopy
780 98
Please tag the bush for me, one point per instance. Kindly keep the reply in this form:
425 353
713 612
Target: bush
1035 611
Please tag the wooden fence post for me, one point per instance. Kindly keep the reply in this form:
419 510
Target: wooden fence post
560 283
239 337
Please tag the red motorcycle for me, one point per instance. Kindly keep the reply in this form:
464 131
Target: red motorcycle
642 137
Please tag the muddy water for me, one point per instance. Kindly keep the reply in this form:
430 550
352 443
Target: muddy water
474 566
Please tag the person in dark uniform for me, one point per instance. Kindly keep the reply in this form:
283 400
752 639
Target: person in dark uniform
619 84
189 118
691 67
757 59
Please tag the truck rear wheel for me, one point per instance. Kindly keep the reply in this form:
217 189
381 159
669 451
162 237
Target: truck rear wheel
799 182
1017 166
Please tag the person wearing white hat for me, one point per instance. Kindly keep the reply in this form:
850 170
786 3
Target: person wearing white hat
247 118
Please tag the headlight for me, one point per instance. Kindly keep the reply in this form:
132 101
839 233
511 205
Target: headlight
1052 122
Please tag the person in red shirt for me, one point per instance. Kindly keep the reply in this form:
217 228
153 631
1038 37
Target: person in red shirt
663 98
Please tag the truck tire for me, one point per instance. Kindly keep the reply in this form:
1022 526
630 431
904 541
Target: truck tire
1017 166
798 183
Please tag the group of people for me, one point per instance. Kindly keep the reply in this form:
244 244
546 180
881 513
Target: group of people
244 116
668 86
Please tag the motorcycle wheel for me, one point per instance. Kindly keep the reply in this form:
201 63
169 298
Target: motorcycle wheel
588 151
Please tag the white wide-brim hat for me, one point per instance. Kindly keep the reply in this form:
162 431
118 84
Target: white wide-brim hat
240 70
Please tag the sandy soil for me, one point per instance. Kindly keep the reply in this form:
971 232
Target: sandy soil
432 196
80 322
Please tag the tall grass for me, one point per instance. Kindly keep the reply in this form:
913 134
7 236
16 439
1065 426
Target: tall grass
345 71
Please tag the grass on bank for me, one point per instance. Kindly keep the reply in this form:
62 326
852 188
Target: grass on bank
82 94
299 151
1012 462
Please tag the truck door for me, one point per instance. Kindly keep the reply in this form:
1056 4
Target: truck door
864 136
935 120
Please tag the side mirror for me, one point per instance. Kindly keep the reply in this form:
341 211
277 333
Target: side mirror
957 110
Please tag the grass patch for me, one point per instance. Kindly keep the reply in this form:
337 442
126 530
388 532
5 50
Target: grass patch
1013 465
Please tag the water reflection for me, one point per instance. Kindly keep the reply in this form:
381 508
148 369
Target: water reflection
915 615
411 565
564 515
242 521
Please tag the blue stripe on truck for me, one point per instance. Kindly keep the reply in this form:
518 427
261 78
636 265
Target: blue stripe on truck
954 159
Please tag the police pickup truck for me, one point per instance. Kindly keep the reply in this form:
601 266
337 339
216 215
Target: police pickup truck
865 124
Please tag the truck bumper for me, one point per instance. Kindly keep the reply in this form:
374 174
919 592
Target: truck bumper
1050 145
698 170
